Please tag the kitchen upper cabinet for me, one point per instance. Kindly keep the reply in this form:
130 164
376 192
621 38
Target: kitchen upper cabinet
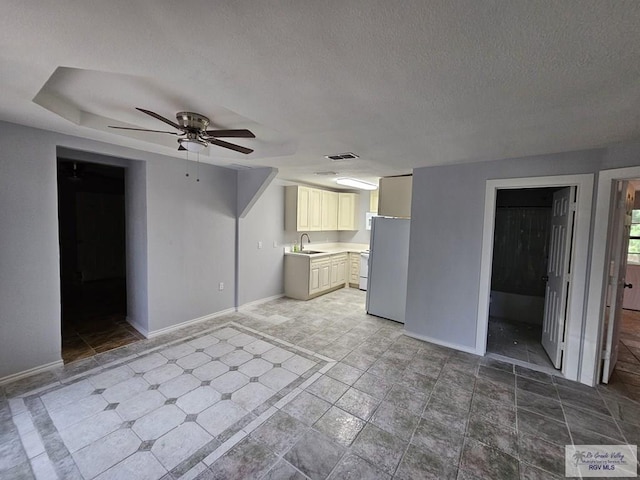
395 196
347 211
329 210
373 201
310 209
303 209
315 209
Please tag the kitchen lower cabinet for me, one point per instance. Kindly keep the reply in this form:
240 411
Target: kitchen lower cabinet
354 270
306 277
319 276
339 269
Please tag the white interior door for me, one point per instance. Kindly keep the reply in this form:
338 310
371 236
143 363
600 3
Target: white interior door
558 274
620 231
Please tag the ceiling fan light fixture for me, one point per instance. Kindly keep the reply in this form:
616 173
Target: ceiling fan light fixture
192 144
355 183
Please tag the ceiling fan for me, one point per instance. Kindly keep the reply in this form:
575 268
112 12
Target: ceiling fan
193 132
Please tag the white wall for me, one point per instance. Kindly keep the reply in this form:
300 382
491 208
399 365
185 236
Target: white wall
190 240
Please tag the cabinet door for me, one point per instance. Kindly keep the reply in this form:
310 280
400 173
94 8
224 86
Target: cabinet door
342 271
334 273
347 211
395 196
338 270
373 201
354 259
329 210
314 278
315 209
303 204
325 276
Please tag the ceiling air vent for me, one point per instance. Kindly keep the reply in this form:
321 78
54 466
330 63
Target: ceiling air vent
341 156
327 173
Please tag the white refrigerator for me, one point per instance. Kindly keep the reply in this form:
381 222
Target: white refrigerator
388 268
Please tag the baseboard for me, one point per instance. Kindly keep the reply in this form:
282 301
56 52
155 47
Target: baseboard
141 330
454 346
32 371
163 331
260 301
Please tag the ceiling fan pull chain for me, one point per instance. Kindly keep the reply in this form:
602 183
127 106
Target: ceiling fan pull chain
198 167
186 167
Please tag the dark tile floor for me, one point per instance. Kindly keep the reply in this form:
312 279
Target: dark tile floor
385 406
91 335
94 319
518 341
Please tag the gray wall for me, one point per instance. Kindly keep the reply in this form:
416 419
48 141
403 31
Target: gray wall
190 241
29 267
136 234
261 270
447 217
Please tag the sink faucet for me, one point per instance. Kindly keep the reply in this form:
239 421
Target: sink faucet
308 240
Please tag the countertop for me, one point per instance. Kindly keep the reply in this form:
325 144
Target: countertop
328 249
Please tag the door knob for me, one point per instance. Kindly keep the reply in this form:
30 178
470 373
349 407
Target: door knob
628 285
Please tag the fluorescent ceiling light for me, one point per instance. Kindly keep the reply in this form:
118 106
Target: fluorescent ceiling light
355 183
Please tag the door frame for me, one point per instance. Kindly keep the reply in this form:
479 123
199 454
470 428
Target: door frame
580 255
590 372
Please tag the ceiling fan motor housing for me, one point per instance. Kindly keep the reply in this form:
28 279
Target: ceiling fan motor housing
192 121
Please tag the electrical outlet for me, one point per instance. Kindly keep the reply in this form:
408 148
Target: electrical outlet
221 286
260 244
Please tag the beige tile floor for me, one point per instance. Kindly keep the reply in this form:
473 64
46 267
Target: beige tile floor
299 390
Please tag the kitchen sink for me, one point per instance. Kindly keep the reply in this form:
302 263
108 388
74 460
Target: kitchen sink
309 252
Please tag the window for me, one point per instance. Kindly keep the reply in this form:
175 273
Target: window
633 252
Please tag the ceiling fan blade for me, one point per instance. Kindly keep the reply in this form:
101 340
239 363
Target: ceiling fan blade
144 130
160 117
181 148
242 133
230 146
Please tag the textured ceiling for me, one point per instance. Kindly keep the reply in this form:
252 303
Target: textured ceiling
402 84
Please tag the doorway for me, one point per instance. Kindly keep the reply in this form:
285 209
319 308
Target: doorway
572 348
519 275
623 258
91 224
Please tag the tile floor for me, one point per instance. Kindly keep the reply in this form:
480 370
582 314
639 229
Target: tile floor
94 319
105 332
296 390
626 376
518 341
